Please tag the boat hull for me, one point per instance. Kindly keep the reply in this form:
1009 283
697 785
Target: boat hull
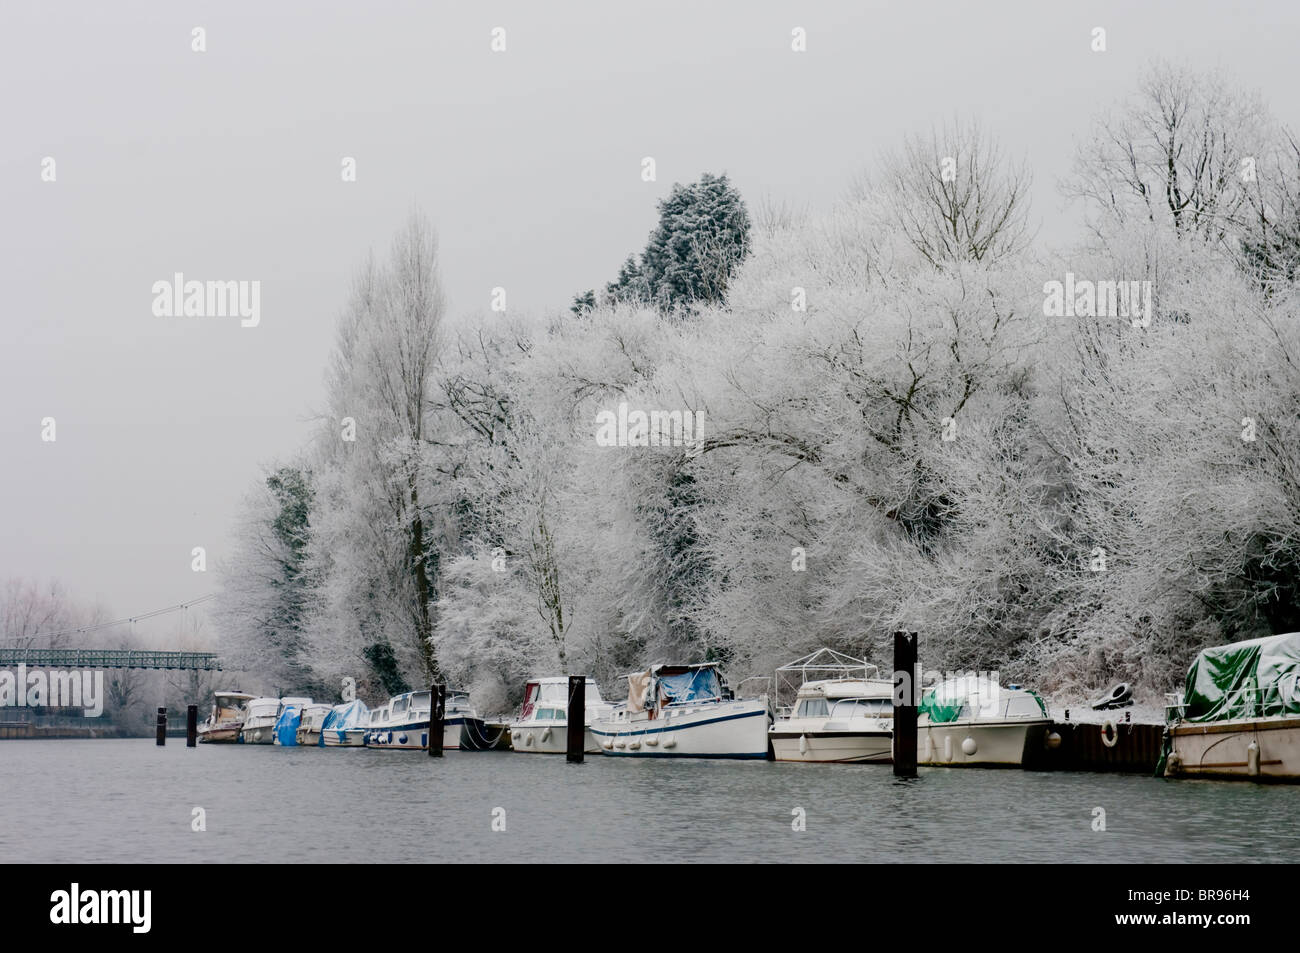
994 743
414 735
1222 749
736 729
309 737
833 747
547 738
220 734
343 737
257 735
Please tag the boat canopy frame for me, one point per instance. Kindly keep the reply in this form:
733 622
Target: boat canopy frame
822 665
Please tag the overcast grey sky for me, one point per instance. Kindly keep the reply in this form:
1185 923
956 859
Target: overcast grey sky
226 165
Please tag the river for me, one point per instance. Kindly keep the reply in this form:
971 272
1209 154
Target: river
130 801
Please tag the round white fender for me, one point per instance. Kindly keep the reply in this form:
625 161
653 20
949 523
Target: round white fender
947 748
652 740
1109 733
803 744
620 743
670 742
1052 740
968 746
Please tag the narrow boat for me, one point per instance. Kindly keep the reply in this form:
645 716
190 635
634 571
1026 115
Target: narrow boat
309 726
543 723
1239 713
841 720
345 725
259 723
404 721
972 720
227 717
683 711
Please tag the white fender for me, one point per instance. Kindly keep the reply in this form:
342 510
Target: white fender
528 740
670 742
546 734
607 743
634 745
968 746
1252 759
947 748
929 748
803 744
652 740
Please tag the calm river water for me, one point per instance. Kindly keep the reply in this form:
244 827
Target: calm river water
128 800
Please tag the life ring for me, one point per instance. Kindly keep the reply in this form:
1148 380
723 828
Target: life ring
1109 733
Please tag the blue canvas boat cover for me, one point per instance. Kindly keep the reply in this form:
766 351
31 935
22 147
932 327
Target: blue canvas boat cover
351 714
693 685
286 726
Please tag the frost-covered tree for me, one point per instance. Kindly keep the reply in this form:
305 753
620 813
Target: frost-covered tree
701 238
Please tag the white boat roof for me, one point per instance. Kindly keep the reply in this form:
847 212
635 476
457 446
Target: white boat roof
233 694
848 688
295 700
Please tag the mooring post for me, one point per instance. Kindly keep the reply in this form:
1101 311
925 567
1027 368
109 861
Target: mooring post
437 714
191 725
577 719
906 691
162 726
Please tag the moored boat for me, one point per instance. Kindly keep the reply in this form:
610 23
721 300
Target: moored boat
842 720
404 721
259 724
345 725
972 720
289 720
309 725
683 711
227 718
1239 713
543 723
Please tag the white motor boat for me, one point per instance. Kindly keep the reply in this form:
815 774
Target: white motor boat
543 724
404 721
259 723
683 711
841 720
227 718
1239 714
972 720
309 725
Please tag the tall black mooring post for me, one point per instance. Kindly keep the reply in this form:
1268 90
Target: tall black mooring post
905 699
577 719
437 714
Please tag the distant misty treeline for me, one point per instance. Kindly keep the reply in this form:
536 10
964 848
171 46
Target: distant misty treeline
899 426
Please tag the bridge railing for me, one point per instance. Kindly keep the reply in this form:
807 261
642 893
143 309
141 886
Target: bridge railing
109 658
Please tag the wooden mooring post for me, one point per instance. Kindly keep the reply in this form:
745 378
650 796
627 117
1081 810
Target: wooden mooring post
191 725
162 727
437 715
905 704
576 717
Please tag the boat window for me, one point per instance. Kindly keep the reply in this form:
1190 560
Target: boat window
863 708
422 700
813 708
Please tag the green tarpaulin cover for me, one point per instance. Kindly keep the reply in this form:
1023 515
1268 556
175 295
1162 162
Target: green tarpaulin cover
1251 679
